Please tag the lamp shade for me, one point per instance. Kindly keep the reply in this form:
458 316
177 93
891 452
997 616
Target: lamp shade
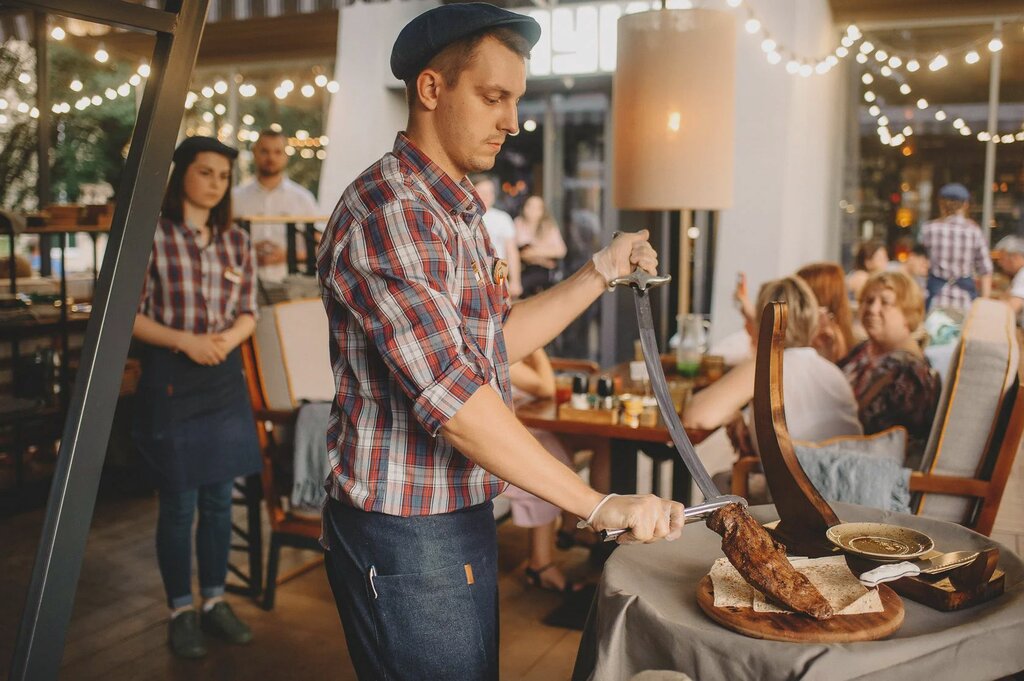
673 110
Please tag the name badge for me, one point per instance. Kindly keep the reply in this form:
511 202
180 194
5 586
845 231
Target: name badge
500 271
233 275
477 274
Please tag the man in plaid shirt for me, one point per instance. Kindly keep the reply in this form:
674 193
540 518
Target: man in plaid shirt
422 435
958 251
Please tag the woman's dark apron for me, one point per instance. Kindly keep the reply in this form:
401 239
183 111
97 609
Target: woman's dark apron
193 424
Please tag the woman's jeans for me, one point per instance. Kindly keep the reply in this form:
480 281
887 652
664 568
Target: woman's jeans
213 541
418 596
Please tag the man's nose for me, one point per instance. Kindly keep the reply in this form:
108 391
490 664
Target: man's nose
510 120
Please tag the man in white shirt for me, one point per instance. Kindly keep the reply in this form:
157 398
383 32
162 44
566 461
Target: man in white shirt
1010 258
502 231
272 193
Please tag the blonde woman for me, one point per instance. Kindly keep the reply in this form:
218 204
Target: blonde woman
819 402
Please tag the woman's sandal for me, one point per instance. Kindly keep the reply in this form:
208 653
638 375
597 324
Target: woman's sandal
533 578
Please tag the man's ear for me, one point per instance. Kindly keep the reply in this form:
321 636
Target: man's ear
428 88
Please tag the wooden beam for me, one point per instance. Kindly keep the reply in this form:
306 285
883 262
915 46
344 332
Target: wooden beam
857 11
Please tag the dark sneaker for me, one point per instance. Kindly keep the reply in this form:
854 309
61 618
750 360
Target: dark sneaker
185 637
221 621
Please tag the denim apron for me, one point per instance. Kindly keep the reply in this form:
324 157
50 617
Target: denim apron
193 424
936 284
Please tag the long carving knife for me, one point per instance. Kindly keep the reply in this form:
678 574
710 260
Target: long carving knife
641 282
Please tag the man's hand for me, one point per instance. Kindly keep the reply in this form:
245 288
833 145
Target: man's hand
648 518
625 253
205 349
269 253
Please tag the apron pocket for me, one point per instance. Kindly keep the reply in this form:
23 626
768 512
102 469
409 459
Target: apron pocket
429 623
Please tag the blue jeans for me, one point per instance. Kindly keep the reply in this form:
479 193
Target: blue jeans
213 541
417 596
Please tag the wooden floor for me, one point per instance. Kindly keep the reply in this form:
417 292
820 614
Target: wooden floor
119 626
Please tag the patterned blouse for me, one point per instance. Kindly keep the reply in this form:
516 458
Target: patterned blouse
898 388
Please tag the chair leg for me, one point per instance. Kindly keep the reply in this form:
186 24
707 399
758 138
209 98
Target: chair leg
272 559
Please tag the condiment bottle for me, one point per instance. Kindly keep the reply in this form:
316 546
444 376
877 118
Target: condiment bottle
579 392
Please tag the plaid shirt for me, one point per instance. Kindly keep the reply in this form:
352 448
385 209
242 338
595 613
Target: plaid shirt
957 249
200 290
415 315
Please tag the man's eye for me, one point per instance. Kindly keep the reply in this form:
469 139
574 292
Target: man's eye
491 100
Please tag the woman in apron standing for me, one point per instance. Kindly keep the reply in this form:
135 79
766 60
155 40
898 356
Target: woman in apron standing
194 424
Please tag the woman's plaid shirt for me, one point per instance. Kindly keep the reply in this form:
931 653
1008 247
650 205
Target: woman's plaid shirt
415 314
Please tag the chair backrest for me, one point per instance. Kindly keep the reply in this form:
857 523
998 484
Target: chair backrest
979 396
292 353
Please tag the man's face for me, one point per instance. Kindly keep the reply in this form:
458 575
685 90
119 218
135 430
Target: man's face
917 265
1010 262
473 118
268 154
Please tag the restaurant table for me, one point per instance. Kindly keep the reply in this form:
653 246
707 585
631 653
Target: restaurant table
646 617
625 443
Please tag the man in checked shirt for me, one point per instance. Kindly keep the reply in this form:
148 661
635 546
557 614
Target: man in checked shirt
957 251
422 436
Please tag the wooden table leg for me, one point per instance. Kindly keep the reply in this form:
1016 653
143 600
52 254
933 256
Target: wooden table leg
623 465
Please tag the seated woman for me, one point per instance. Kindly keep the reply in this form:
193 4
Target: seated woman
834 337
892 380
534 378
819 402
872 257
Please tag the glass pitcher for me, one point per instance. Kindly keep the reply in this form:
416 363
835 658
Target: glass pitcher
693 343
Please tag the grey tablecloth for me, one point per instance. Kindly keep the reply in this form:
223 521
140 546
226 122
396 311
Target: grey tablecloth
647 617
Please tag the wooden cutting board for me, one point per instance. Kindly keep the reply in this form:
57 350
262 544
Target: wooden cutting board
792 627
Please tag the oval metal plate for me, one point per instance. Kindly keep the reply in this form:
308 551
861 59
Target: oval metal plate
879 541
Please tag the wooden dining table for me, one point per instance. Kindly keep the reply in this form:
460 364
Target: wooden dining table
624 441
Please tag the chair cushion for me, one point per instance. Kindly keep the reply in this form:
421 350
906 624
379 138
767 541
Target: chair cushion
980 375
291 342
865 470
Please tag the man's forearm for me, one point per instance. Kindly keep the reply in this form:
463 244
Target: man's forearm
487 433
536 321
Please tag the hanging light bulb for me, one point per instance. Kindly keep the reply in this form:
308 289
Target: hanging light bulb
24 78
58 33
866 47
995 44
123 89
144 70
862 58
842 52
922 103
958 123
792 67
320 80
883 120
869 96
220 87
853 31
908 131
867 79
220 109
885 71
734 3
207 91
774 57
76 85
307 90
248 119
913 65
984 136
895 62
847 41
135 80
972 57
333 86
768 45
874 110
111 93
752 26
247 89
101 54
96 100
904 89
881 55
940 115
939 62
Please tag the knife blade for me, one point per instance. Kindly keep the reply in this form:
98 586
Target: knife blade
936 564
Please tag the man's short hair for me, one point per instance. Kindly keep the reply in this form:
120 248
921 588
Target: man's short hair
457 57
1010 245
267 133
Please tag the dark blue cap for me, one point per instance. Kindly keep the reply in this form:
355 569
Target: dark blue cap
435 29
190 146
954 191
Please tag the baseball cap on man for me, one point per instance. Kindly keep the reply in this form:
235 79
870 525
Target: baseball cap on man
435 29
954 191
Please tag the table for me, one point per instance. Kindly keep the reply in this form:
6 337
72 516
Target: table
625 443
647 617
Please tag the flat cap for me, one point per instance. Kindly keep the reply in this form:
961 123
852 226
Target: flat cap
435 29
1010 244
954 191
190 146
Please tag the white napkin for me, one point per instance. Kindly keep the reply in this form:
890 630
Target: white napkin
889 572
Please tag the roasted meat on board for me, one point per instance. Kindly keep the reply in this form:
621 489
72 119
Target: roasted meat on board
762 561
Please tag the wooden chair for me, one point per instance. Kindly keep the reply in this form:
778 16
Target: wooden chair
286 528
979 493
582 365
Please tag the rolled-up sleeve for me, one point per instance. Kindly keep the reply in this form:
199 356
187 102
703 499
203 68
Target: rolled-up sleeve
395 273
247 296
982 259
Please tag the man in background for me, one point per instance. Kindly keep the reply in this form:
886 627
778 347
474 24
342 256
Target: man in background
958 253
271 192
1010 258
